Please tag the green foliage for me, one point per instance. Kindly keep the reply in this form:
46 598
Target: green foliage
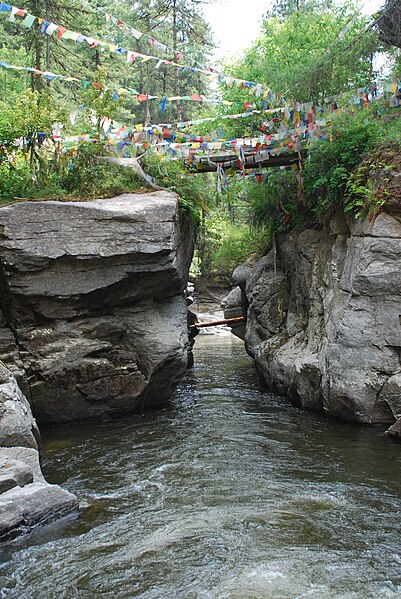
283 8
237 243
312 52
351 173
100 99
31 112
274 204
360 194
80 177
193 190
329 164
225 243
374 181
86 177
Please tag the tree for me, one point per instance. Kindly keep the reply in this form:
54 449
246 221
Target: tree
309 55
389 23
284 8
178 25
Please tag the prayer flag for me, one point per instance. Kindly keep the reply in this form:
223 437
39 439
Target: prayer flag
51 28
28 21
60 32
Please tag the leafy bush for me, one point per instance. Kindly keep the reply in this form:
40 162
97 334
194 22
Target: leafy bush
238 243
79 177
86 177
225 240
193 190
275 205
330 164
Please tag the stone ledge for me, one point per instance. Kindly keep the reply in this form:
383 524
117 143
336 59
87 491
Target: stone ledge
31 500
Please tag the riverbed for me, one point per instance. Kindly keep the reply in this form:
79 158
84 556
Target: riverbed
229 492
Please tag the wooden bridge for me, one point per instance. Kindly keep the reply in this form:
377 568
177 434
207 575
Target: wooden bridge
209 164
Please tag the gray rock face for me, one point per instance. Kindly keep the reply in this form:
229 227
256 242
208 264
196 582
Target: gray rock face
26 499
323 322
94 318
17 425
234 305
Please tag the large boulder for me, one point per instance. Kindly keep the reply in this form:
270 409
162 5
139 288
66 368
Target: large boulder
91 293
323 321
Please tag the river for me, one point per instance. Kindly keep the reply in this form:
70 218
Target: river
229 492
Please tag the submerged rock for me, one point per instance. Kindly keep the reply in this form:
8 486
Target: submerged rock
323 321
94 315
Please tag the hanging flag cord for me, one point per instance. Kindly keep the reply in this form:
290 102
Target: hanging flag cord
220 177
299 174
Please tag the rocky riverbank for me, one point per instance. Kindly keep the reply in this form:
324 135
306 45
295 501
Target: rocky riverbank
324 318
26 499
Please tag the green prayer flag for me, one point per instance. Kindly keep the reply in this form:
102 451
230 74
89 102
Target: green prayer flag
28 21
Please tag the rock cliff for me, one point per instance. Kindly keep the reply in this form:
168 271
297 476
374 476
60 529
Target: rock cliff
93 318
324 318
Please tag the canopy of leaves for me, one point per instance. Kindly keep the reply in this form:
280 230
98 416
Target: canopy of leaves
30 113
312 52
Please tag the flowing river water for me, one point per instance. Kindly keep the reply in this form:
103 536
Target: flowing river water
229 492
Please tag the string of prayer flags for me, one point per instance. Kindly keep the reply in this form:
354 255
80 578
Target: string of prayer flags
256 88
66 34
47 74
112 20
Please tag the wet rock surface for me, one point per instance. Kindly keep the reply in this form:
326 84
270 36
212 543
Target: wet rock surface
323 319
26 499
94 319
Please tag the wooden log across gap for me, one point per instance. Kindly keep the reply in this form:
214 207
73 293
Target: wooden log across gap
215 323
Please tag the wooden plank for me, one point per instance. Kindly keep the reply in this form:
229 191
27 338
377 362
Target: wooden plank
215 323
209 164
